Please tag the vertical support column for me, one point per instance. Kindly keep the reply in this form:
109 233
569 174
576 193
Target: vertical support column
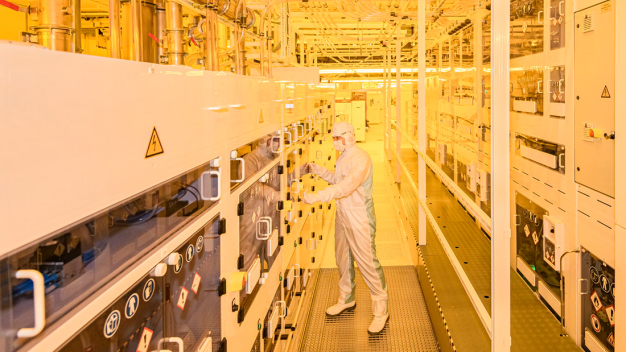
135 15
388 125
500 179
386 100
114 28
620 170
398 107
421 116
478 86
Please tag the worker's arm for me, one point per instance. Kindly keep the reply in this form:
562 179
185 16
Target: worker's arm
322 172
359 169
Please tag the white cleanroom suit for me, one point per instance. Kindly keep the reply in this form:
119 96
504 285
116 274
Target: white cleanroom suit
351 185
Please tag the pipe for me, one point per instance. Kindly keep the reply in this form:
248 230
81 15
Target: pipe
135 16
563 332
54 24
78 40
174 30
114 28
160 30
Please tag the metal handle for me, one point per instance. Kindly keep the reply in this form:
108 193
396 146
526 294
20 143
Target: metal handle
296 272
283 304
580 286
561 160
298 130
263 220
289 133
176 340
243 170
319 154
539 17
563 333
561 13
219 188
298 188
272 146
561 84
539 84
39 300
311 240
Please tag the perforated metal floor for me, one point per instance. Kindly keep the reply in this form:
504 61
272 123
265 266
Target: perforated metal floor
409 327
533 327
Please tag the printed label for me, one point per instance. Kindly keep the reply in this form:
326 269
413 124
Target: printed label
182 299
595 300
196 283
144 341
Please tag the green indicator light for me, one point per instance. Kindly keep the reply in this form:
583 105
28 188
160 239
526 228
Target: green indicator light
534 269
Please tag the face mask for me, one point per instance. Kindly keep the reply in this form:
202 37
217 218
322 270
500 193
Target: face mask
339 145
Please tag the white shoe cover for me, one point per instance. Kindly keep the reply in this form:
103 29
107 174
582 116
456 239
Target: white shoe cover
340 308
378 324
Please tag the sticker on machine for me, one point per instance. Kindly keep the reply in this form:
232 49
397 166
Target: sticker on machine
148 290
605 93
593 275
535 238
154 145
605 284
196 283
179 264
112 324
610 314
611 340
189 253
199 244
613 290
182 299
595 300
595 323
131 306
526 230
144 341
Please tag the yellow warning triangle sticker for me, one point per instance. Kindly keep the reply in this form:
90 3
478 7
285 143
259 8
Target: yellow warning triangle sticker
605 92
261 119
154 146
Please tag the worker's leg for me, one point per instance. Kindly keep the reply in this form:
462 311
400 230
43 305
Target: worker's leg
343 257
345 262
361 233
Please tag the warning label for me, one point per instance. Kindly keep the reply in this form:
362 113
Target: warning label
182 299
154 146
595 300
605 93
610 314
144 341
196 283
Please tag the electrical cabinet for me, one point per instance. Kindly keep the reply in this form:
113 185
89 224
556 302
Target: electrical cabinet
358 119
594 107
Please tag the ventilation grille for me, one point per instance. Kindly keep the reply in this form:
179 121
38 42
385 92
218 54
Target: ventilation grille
589 23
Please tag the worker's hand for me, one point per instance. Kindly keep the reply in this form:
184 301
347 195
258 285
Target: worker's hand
305 169
310 198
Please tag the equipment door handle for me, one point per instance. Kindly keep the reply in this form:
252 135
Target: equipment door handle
39 300
264 235
176 340
289 133
243 170
208 187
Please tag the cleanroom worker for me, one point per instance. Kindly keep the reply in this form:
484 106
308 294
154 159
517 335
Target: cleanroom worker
355 226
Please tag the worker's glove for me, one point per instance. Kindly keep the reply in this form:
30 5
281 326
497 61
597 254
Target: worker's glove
310 198
305 169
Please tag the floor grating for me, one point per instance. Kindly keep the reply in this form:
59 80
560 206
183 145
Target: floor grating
409 327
